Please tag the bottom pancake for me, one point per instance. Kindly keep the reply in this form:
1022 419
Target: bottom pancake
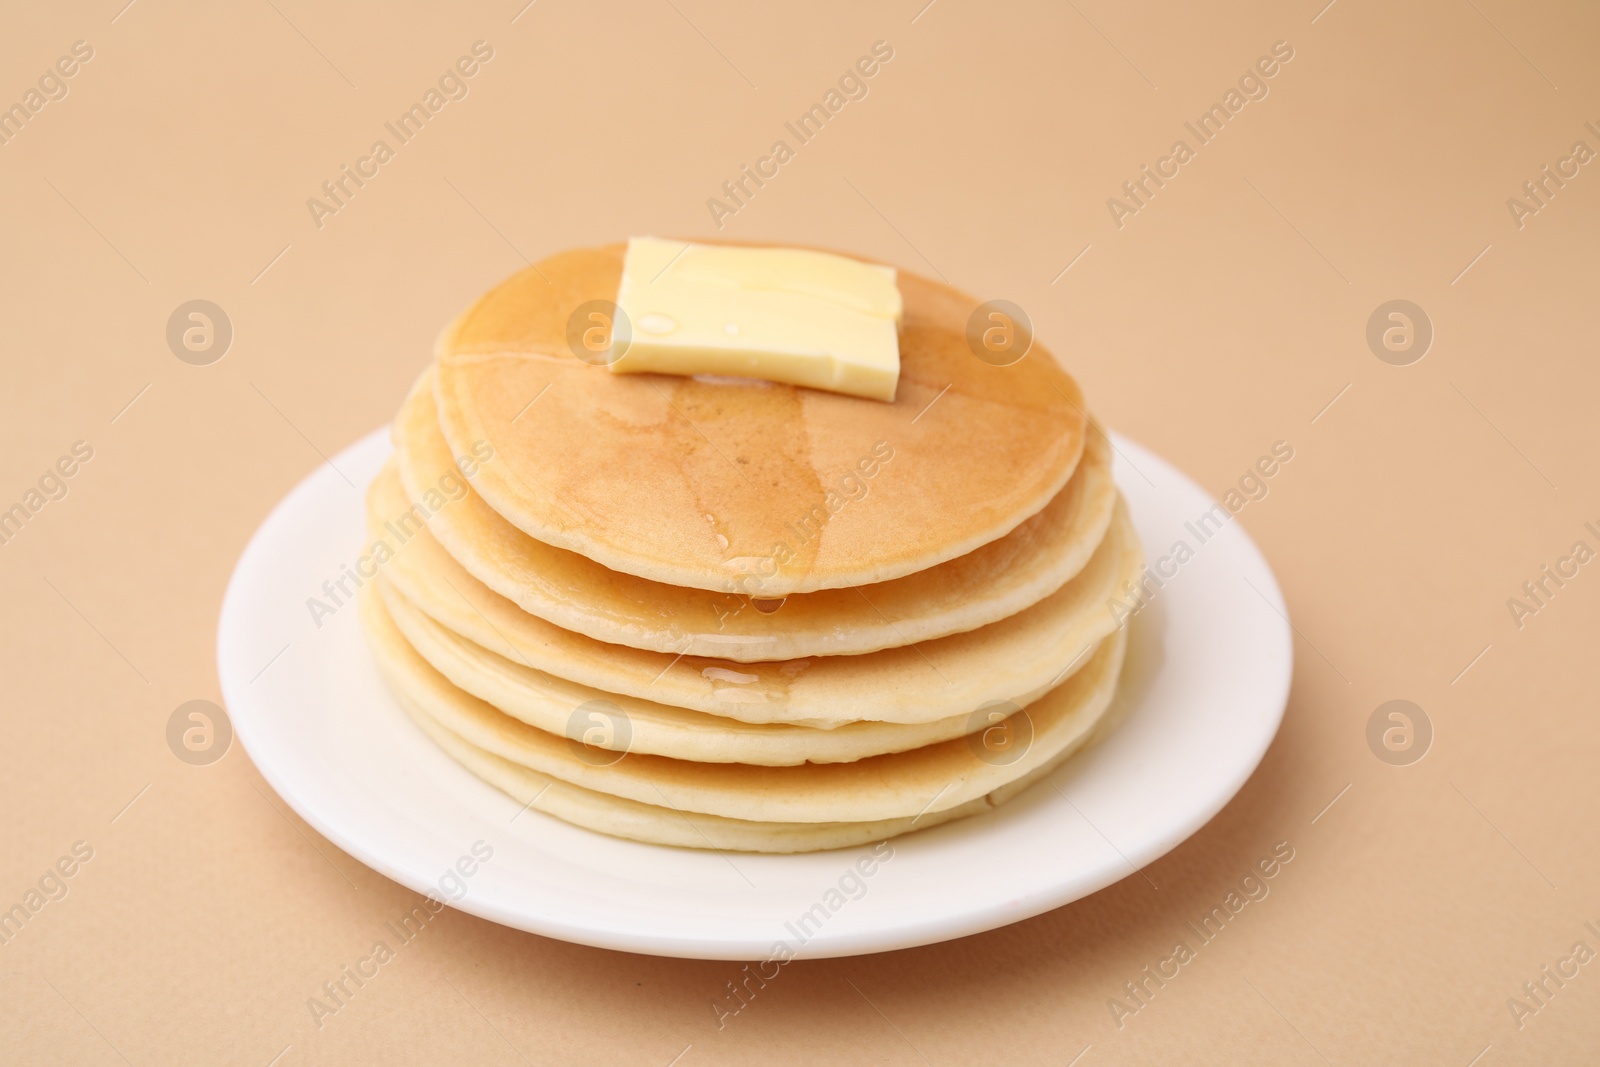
656 825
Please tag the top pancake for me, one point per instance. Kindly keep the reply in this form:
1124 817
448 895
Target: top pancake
748 486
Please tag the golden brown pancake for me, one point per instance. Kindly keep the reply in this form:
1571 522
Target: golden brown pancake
992 582
898 785
697 483
1015 659
657 825
547 702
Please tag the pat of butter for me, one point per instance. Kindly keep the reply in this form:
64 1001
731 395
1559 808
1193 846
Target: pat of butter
783 314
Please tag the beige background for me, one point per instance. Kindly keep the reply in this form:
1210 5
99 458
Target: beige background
1224 316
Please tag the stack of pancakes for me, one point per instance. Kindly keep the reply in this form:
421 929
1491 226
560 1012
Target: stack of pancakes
735 614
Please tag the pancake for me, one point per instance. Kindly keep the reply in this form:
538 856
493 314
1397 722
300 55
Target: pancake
657 825
992 582
1015 659
697 482
898 785
547 702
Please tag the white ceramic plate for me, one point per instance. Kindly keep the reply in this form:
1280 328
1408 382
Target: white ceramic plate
1208 680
